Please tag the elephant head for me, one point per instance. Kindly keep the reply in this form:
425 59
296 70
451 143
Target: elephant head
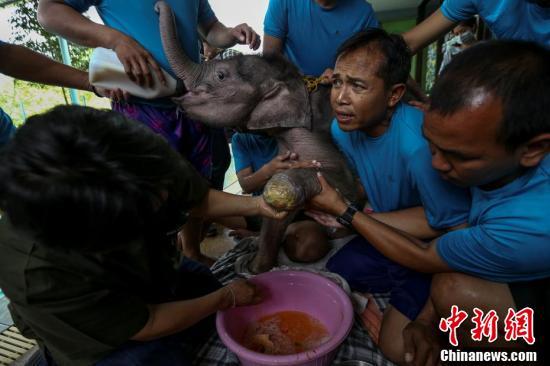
250 92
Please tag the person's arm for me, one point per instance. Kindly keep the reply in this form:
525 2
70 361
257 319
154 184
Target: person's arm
218 35
172 317
410 220
396 245
59 18
420 338
272 45
221 204
21 63
433 27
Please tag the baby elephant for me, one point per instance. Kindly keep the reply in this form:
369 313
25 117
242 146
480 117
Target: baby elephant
253 92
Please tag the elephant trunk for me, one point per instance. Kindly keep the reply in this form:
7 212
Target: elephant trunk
181 64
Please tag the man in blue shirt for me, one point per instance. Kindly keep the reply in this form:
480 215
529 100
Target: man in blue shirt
488 130
527 20
382 139
309 32
132 31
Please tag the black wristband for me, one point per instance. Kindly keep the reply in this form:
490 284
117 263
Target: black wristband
347 217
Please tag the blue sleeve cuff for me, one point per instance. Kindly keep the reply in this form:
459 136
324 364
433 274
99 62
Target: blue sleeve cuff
206 14
239 153
275 19
81 6
458 10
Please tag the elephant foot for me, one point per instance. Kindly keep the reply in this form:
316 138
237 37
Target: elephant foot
283 194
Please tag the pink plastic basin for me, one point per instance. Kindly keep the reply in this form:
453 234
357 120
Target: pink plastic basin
290 291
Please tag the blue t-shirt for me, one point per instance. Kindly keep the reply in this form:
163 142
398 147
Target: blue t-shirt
311 35
253 150
396 171
507 19
139 20
7 129
509 235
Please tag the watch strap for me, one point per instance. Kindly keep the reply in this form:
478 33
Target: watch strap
347 217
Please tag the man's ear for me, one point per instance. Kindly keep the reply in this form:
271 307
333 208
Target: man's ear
396 92
535 150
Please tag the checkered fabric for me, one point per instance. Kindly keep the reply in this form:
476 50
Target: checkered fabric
357 346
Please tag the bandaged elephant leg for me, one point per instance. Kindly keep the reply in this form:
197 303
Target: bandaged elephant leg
271 235
290 189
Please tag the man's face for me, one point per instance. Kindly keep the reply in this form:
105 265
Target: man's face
359 97
464 145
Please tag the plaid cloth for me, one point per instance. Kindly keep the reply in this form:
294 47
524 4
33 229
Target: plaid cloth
357 346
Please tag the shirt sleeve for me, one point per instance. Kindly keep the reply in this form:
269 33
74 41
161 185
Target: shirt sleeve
458 10
276 19
241 154
445 204
206 14
82 5
372 21
469 251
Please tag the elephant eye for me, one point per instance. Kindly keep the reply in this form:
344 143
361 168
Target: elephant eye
220 75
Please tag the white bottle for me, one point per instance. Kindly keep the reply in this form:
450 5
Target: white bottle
106 71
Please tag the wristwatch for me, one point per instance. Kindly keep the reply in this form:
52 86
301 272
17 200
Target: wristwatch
347 217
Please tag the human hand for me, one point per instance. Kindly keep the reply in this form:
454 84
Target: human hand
324 219
244 34
114 94
240 292
326 76
138 63
328 200
265 210
421 345
284 161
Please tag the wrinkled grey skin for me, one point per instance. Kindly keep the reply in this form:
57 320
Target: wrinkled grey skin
259 93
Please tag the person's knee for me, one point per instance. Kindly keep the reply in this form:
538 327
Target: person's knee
304 243
447 288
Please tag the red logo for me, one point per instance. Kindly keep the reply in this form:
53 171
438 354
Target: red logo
519 325
485 326
452 323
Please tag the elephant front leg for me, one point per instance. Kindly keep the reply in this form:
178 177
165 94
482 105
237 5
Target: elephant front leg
289 190
271 237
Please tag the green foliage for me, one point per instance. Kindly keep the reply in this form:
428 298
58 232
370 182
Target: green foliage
25 99
30 34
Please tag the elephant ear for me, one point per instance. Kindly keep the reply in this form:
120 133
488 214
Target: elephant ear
281 106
